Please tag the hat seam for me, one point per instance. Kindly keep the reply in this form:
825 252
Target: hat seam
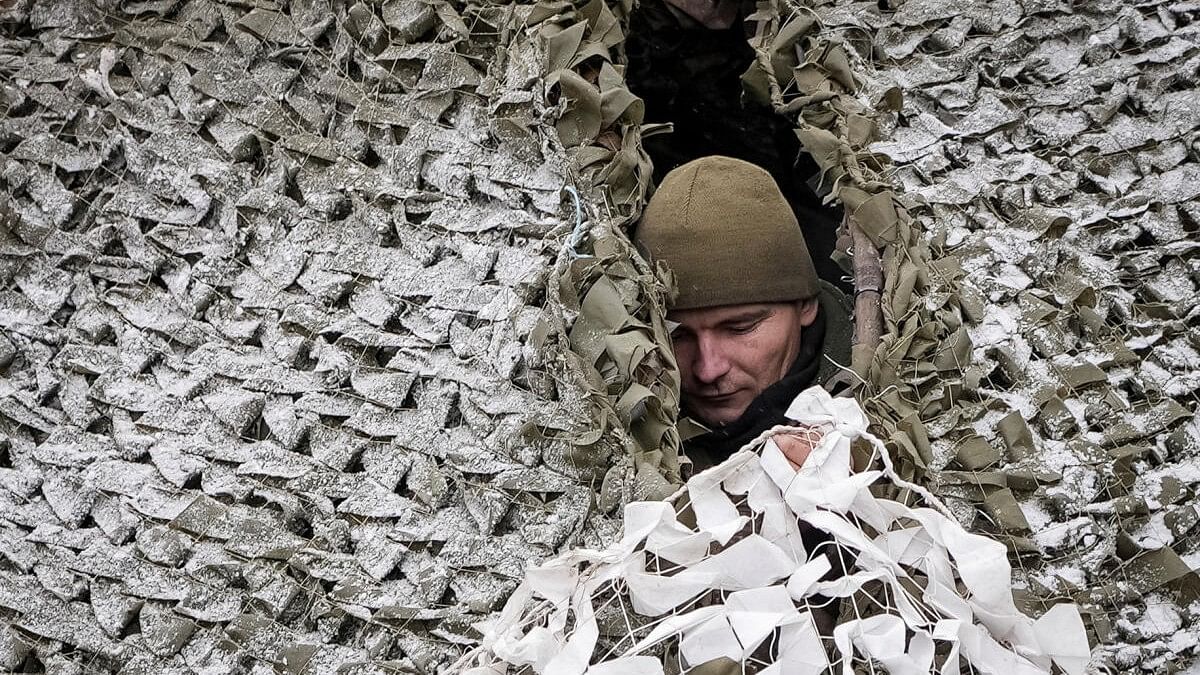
687 204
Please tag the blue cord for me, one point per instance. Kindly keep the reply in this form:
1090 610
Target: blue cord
578 233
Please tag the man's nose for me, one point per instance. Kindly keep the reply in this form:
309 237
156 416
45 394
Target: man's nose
711 362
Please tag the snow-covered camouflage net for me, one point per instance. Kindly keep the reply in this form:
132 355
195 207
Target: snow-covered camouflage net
722 572
281 389
1049 152
1029 172
169 165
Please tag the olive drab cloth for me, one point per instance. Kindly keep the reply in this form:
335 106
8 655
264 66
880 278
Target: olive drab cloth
728 234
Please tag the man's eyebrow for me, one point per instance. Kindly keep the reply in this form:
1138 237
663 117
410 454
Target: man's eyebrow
747 317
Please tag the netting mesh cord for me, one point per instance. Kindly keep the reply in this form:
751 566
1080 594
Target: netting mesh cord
722 572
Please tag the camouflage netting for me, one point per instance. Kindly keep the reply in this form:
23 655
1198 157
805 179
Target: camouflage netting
1038 363
1049 151
307 354
1038 366
281 387
730 583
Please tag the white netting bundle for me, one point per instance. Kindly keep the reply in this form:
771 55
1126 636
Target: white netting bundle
722 575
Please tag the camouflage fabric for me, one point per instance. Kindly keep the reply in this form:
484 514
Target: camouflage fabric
1037 325
306 353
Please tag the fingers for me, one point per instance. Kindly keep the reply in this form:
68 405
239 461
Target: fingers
794 448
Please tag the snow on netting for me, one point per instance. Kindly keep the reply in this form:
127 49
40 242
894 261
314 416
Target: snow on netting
282 382
724 571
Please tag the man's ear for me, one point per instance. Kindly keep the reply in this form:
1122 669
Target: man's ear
808 311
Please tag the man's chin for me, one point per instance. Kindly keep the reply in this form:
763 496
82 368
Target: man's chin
719 414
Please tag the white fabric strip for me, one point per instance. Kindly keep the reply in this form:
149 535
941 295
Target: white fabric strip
741 584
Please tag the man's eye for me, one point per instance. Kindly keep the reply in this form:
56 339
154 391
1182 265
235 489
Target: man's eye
743 328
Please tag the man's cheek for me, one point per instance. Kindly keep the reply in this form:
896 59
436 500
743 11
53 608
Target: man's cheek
744 364
685 363
762 365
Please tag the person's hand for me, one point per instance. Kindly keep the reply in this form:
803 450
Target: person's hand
796 447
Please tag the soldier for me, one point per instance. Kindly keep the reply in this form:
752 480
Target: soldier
752 323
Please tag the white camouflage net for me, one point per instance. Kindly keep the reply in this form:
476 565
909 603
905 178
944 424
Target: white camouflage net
919 593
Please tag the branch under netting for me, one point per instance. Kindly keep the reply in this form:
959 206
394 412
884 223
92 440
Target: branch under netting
868 290
723 573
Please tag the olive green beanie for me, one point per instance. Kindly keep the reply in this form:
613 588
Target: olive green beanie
728 235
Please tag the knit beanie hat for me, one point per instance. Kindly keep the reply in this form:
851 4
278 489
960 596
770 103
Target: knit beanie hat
728 234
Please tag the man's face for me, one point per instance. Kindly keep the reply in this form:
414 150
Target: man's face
728 355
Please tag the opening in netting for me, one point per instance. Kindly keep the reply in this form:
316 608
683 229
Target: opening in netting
690 76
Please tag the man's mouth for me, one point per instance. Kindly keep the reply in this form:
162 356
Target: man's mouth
716 399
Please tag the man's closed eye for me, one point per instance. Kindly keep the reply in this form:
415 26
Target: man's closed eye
744 328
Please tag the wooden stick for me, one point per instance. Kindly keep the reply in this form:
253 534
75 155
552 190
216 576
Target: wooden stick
868 288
